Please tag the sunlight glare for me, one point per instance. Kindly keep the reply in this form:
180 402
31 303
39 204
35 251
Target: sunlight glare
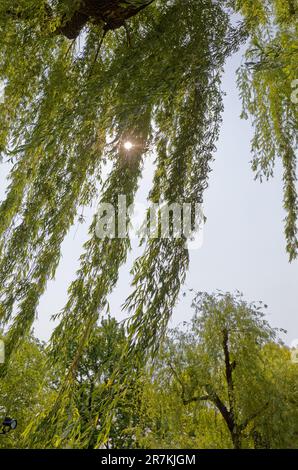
128 145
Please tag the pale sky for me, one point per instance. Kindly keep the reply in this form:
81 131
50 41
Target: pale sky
244 246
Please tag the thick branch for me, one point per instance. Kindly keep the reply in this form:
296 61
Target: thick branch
220 406
187 401
112 14
229 367
195 399
244 425
211 396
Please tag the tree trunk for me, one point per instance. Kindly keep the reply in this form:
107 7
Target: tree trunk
234 429
236 438
111 13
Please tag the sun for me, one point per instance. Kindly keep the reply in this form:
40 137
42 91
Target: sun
128 145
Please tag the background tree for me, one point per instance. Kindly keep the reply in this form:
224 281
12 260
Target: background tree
27 389
182 400
79 423
277 427
166 423
223 362
95 371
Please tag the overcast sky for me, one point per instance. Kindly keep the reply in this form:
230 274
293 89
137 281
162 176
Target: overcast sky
243 247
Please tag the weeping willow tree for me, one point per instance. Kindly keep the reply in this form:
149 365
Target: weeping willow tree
82 77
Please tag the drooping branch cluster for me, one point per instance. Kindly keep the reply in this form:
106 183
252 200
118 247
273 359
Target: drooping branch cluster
266 87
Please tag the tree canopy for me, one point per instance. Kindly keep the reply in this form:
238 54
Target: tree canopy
83 77
229 360
222 380
28 387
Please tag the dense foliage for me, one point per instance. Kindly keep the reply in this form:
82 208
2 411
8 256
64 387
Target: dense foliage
221 381
27 389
